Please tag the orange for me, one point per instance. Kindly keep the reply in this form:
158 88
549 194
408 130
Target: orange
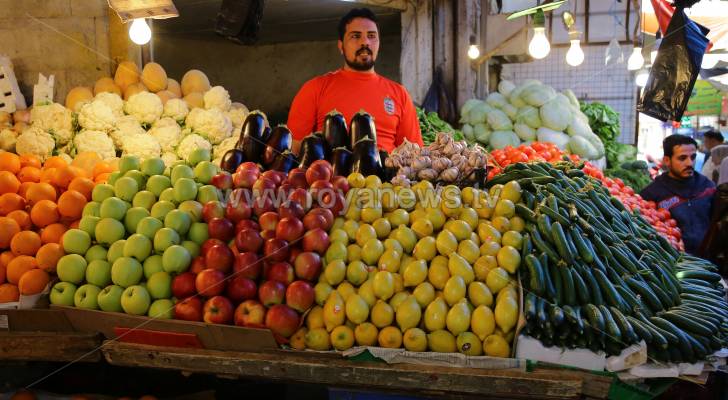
33 282
22 218
18 266
55 162
47 174
71 203
2 273
48 256
101 168
6 257
9 162
8 182
52 233
102 178
63 177
24 186
11 202
44 213
25 243
83 185
86 160
40 191
9 293
28 160
29 174
74 224
8 229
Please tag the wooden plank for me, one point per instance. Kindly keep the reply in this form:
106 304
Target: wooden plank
49 346
287 366
468 23
415 62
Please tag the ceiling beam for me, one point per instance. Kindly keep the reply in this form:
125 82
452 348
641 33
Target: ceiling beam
396 4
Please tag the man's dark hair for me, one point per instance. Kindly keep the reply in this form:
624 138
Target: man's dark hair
668 145
715 135
355 13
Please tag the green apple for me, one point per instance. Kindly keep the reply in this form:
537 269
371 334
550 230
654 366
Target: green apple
76 241
113 177
161 208
176 163
71 268
95 252
178 220
192 247
88 225
157 183
109 298
184 189
135 300
140 179
138 246
126 271
144 199
176 259
162 309
116 250
152 166
113 207
192 208
164 238
87 297
204 171
133 216
199 155
198 232
98 272
167 195
92 208
125 188
208 193
148 226
159 285
62 294
181 171
128 163
109 231
102 192
152 265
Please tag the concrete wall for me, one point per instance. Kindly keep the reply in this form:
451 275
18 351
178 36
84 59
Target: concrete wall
66 38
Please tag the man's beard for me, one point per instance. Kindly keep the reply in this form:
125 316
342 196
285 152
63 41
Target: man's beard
361 65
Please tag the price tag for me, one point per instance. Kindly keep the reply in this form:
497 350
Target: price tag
4 322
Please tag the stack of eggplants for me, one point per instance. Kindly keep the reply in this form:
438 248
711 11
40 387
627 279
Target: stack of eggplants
258 143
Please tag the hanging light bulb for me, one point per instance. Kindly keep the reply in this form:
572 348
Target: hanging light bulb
641 77
139 32
575 55
539 46
635 61
473 50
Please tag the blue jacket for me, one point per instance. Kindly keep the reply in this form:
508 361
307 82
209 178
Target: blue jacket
689 202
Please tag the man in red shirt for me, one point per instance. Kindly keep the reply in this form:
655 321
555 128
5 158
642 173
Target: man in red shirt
356 87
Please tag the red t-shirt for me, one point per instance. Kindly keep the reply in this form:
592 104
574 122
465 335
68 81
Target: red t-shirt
349 92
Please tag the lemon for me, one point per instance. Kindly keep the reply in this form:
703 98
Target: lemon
356 180
511 191
392 244
366 292
365 233
398 282
475 238
350 227
459 228
482 322
353 213
357 309
336 251
334 311
366 334
441 341
398 298
497 279
488 233
495 191
496 346
436 314
506 314
513 239
371 251
415 339
508 291
422 227
446 243
407 199
382 314
339 235
469 216
298 340
317 339
399 217
425 249
338 223
469 194
489 248
417 214
321 292
415 273
457 265
383 285
509 259
424 293
373 181
451 206
468 250
483 207
458 318
342 338
345 289
479 294
335 272
406 237
454 290
438 272
483 265
436 217
370 214
502 224
382 227
390 337
389 198
390 260
409 313
357 273
315 318
517 224
353 253
469 344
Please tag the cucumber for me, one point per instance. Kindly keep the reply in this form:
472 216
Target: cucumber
595 318
553 214
525 213
687 324
699 349
612 347
543 223
542 246
611 296
556 280
529 306
559 237
573 315
536 275
582 292
527 246
585 226
698 274
556 315
640 330
645 293
702 317
541 316
567 281
658 332
594 291
683 342
549 288
601 247
612 328
624 260
720 304
665 300
624 326
582 247
632 301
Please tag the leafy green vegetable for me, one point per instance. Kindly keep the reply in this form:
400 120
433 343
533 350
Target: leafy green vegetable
604 122
638 179
431 125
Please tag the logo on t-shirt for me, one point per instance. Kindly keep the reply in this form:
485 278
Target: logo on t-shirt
389 105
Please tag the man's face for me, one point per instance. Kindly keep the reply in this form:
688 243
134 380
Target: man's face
360 45
682 163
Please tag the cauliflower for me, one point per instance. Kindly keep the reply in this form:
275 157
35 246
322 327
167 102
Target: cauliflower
165 121
96 116
169 158
96 141
176 109
55 119
167 135
191 143
237 115
125 126
66 157
145 107
144 146
113 101
224 146
212 124
35 141
8 137
217 97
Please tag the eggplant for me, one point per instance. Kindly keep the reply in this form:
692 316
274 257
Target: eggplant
365 158
335 130
313 147
361 127
284 162
252 139
341 161
231 159
278 142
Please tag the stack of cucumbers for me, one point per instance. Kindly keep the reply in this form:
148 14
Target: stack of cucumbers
597 276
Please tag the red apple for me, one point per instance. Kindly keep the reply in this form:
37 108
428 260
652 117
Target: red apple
210 282
264 186
308 265
268 234
282 320
247 265
326 213
314 221
198 265
238 210
316 240
281 272
247 224
189 309
297 178
274 176
220 257
300 296
221 228
334 203
291 209
268 221
271 293
295 251
276 250
340 183
248 240
207 244
244 179
262 205
218 310
289 229
213 209
222 181
240 289
183 285
302 197
319 189
250 313
319 170
284 190
248 166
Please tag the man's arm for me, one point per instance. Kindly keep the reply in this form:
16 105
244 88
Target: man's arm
409 125
302 115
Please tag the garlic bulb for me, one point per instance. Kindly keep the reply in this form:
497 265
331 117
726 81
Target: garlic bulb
441 164
449 175
421 163
401 180
428 174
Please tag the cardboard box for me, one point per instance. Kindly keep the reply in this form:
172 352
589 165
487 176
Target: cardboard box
175 333
34 321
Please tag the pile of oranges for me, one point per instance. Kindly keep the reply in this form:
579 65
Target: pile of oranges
38 204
